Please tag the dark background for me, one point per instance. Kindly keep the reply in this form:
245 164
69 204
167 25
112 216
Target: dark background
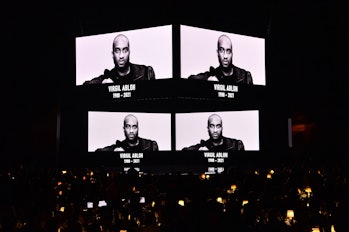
307 58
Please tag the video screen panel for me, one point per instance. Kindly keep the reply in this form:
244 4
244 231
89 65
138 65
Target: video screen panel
147 46
200 54
107 130
193 130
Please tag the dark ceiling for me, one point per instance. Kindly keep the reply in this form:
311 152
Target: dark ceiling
307 50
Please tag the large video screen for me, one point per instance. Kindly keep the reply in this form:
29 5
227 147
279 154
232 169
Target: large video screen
219 131
214 55
138 54
128 131
116 128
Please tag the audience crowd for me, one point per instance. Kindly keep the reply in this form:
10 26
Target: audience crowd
298 195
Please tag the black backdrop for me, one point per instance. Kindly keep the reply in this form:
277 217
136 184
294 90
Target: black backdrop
307 59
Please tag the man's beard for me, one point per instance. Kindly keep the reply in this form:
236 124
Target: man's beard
216 138
227 68
123 68
134 140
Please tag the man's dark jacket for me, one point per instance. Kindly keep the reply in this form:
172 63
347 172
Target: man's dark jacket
143 145
229 144
240 76
137 72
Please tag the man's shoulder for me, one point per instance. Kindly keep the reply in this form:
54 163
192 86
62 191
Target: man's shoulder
144 140
229 139
100 78
142 71
107 148
203 75
232 143
241 72
197 146
140 67
148 144
239 69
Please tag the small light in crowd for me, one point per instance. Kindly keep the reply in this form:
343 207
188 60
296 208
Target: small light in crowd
299 191
61 209
308 191
60 193
219 200
89 205
233 187
64 172
84 178
152 203
91 173
271 171
244 202
202 176
256 172
315 229
332 228
207 176
108 174
290 213
102 203
269 176
181 202
319 172
289 220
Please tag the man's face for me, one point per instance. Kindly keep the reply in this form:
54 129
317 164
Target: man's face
121 52
225 53
131 128
215 128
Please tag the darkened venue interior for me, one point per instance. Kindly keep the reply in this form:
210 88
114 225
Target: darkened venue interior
215 116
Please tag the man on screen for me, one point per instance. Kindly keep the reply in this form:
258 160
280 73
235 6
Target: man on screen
132 142
216 142
123 69
226 71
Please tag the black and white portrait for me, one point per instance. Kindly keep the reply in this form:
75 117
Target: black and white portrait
202 52
110 128
194 128
151 47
